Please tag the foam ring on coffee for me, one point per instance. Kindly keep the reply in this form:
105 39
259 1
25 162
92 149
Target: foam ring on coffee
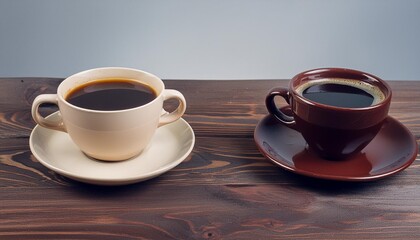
375 92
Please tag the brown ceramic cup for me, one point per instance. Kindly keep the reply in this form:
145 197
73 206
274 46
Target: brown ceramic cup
330 131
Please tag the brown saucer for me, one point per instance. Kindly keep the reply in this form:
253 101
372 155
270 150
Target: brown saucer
392 150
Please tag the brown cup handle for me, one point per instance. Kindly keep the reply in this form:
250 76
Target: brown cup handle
274 110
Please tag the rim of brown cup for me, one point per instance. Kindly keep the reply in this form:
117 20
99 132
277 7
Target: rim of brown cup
345 73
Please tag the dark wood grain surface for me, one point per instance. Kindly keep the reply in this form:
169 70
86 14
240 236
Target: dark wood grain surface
224 190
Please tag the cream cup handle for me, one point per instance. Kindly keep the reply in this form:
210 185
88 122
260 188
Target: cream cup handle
47 123
166 117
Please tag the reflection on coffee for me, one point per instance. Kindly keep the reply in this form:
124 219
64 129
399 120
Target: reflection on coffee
339 92
111 94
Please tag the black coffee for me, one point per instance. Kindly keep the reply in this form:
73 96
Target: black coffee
111 94
338 95
341 93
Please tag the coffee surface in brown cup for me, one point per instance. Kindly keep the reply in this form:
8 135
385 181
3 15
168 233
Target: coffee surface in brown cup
340 92
111 94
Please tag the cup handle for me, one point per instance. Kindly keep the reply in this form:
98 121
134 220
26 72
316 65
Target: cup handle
47 123
274 110
166 117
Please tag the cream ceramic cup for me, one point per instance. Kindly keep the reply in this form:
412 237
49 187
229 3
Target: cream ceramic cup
110 135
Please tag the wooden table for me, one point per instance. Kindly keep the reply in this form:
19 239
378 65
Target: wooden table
225 190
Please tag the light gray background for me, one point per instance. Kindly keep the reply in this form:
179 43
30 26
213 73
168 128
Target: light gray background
214 39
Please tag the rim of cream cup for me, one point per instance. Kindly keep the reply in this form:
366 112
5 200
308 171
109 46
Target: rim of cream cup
61 92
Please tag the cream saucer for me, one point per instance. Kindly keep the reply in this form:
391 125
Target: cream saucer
55 150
